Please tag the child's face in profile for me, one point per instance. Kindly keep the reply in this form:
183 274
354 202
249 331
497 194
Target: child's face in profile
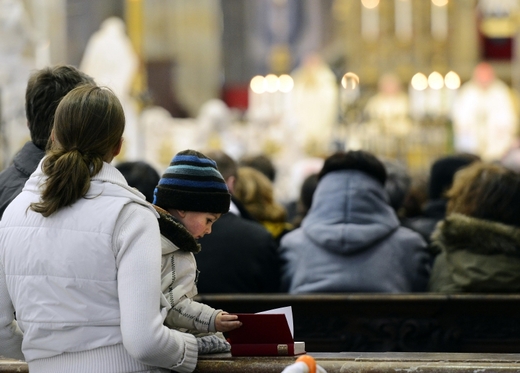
198 223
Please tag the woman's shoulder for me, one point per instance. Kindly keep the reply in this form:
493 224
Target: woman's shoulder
137 213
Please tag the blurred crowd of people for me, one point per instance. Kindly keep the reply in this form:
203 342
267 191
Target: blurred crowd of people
105 261
362 224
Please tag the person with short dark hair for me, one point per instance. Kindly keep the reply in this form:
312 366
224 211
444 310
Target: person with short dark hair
45 89
441 177
260 162
240 255
304 202
351 239
397 185
479 240
140 175
80 256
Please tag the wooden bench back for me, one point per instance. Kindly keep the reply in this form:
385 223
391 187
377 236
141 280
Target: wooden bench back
392 322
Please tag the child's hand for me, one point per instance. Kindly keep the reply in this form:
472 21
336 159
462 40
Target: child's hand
225 322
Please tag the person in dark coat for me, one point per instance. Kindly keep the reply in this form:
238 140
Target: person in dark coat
441 178
479 240
304 202
256 192
240 255
260 162
44 92
398 184
140 175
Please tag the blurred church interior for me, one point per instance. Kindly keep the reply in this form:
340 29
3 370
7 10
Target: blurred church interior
293 79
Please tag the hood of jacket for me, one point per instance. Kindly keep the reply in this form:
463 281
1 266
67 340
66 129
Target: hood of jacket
476 255
349 213
178 236
460 232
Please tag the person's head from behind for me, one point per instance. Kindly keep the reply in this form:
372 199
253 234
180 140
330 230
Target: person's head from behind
88 129
304 203
359 160
398 183
141 176
256 193
45 89
226 165
307 192
193 191
486 191
443 170
262 163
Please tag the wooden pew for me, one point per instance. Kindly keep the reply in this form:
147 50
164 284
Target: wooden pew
392 322
369 363
11 366
381 333
348 362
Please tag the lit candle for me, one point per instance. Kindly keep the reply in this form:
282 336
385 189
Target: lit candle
370 19
286 86
273 85
435 93
403 19
439 19
256 96
452 84
418 86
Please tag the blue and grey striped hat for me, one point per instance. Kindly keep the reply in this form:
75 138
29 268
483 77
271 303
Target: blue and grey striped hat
192 183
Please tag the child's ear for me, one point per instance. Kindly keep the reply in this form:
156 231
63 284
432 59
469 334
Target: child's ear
182 213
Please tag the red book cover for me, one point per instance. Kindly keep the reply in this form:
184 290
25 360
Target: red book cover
263 335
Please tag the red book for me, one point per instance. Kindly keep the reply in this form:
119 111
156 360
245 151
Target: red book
263 335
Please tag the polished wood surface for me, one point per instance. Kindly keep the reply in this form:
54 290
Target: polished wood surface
8 365
350 362
369 363
380 333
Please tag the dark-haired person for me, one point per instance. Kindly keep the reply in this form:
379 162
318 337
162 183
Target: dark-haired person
80 257
479 240
351 239
260 162
304 202
240 255
44 91
140 175
441 177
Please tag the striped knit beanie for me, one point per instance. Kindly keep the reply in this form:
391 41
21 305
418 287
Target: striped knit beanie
192 183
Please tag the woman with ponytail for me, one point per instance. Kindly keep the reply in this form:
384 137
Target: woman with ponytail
80 257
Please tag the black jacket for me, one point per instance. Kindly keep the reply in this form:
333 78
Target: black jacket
13 178
434 211
239 256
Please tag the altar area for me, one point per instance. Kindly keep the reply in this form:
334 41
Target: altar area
301 96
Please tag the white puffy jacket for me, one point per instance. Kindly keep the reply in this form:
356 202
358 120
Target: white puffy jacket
85 283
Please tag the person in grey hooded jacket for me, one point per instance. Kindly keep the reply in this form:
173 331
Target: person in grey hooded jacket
351 239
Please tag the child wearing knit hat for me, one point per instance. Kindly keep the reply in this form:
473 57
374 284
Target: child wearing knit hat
190 197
